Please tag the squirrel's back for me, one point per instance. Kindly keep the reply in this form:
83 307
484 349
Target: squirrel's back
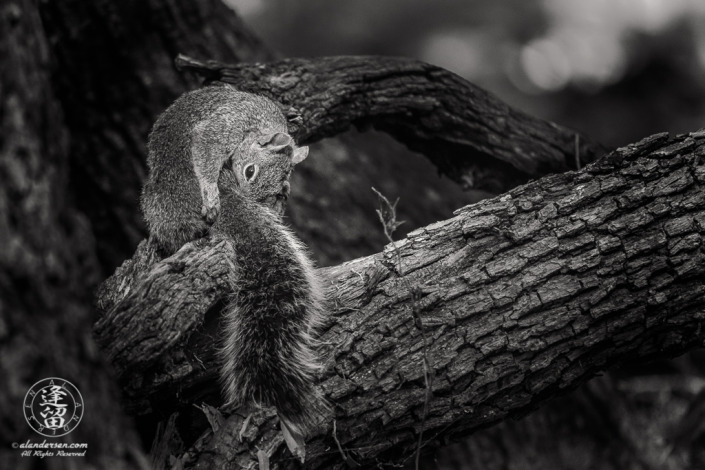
188 146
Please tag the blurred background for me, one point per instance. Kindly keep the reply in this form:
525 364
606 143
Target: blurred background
617 70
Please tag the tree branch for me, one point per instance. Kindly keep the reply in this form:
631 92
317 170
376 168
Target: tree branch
470 135
522 297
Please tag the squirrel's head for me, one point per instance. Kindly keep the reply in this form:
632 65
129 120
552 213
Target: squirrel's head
263 172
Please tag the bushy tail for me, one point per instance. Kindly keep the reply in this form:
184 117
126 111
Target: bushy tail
268 355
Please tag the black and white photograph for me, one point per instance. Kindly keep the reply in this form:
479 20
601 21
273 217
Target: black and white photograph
398 234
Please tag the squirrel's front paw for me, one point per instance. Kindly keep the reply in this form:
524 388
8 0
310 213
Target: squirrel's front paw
210 213
211 203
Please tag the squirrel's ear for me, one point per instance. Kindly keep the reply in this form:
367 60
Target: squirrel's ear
275 142
300 153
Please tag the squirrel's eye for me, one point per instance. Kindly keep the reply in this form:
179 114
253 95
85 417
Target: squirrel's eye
250 172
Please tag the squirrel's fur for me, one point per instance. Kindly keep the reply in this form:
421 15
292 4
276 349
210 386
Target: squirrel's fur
267 355
268 351
190 142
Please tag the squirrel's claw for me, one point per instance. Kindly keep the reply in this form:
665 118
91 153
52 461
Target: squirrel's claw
211 202
210 214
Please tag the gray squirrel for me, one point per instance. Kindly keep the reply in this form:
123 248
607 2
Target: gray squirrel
239 142
190 143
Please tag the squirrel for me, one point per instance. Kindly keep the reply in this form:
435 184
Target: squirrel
267 356
268 349
190 143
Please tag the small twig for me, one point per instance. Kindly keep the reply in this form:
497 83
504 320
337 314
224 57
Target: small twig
244 427
427 383
337 442
388 216
262 459
577 151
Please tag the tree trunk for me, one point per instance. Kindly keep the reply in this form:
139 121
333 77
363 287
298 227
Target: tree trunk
47 264
81 85
511 302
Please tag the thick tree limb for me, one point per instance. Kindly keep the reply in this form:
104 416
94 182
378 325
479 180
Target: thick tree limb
469 134
522 297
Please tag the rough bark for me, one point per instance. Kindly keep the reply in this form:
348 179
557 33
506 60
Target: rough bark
81 82
469 134
47 267
520 298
